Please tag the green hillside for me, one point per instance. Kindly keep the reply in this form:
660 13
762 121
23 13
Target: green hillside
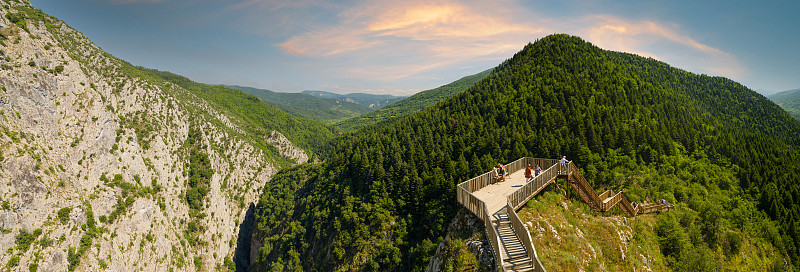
789 101
324 110
372 101
412 104
260 118
726 155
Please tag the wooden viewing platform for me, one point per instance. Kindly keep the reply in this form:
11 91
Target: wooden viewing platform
496 203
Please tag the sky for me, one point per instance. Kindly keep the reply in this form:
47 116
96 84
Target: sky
403 47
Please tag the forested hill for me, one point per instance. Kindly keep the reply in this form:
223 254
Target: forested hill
260 118
412 104
324 110
727 156
789 101
372 101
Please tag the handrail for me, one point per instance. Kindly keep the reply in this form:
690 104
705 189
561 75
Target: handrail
581 182
617 199
605 194
465 197
627 207
494 240
607 205
471 202
525 237
527 191
485 179
519 197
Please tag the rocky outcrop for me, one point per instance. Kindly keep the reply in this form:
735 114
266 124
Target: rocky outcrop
286 148
72 119
466 228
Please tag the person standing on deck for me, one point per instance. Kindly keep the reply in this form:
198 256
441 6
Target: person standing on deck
502 171
528 176
538 170
563 165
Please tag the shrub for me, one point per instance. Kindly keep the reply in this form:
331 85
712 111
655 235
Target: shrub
198 263
14 261
63 214
25 238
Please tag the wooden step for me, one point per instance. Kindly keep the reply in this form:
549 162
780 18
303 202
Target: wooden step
522 264
512 246
584 196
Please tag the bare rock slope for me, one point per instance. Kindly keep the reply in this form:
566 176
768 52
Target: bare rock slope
96 160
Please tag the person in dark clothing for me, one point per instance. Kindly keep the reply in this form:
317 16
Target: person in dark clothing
528 176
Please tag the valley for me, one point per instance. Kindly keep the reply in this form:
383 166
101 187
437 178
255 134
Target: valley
789 101
110 166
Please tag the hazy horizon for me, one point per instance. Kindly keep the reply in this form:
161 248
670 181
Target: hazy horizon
400 48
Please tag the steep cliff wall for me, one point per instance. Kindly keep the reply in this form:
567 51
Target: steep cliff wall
95 160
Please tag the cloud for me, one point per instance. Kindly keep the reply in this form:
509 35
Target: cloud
661 41
402 22
328 42
122 2
415 36
392 41
276 5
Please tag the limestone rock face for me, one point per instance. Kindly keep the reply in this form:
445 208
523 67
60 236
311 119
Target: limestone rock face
286 148
78 125
466 228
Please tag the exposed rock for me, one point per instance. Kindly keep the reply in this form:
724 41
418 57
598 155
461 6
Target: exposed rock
286 148
60 131
464 222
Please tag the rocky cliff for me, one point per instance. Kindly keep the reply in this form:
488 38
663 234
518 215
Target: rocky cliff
97 164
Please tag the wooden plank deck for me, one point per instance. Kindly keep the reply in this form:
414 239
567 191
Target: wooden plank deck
510 239
496 195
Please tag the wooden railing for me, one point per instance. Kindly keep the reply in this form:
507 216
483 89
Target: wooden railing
618 199
494 239
524 237
653 207
474 184
627 207
553 169
472 203
519 197
605 194
464 196
575 174
607 205
527 191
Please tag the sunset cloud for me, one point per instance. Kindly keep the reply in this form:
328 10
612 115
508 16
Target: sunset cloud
381 45
439 34
133 1
649 38
430 34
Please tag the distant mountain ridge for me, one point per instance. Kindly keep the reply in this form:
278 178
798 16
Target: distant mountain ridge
372 101
789 101
323 109
413 103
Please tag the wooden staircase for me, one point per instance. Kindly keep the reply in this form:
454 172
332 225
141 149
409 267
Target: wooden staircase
608 199
514 255
510 239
